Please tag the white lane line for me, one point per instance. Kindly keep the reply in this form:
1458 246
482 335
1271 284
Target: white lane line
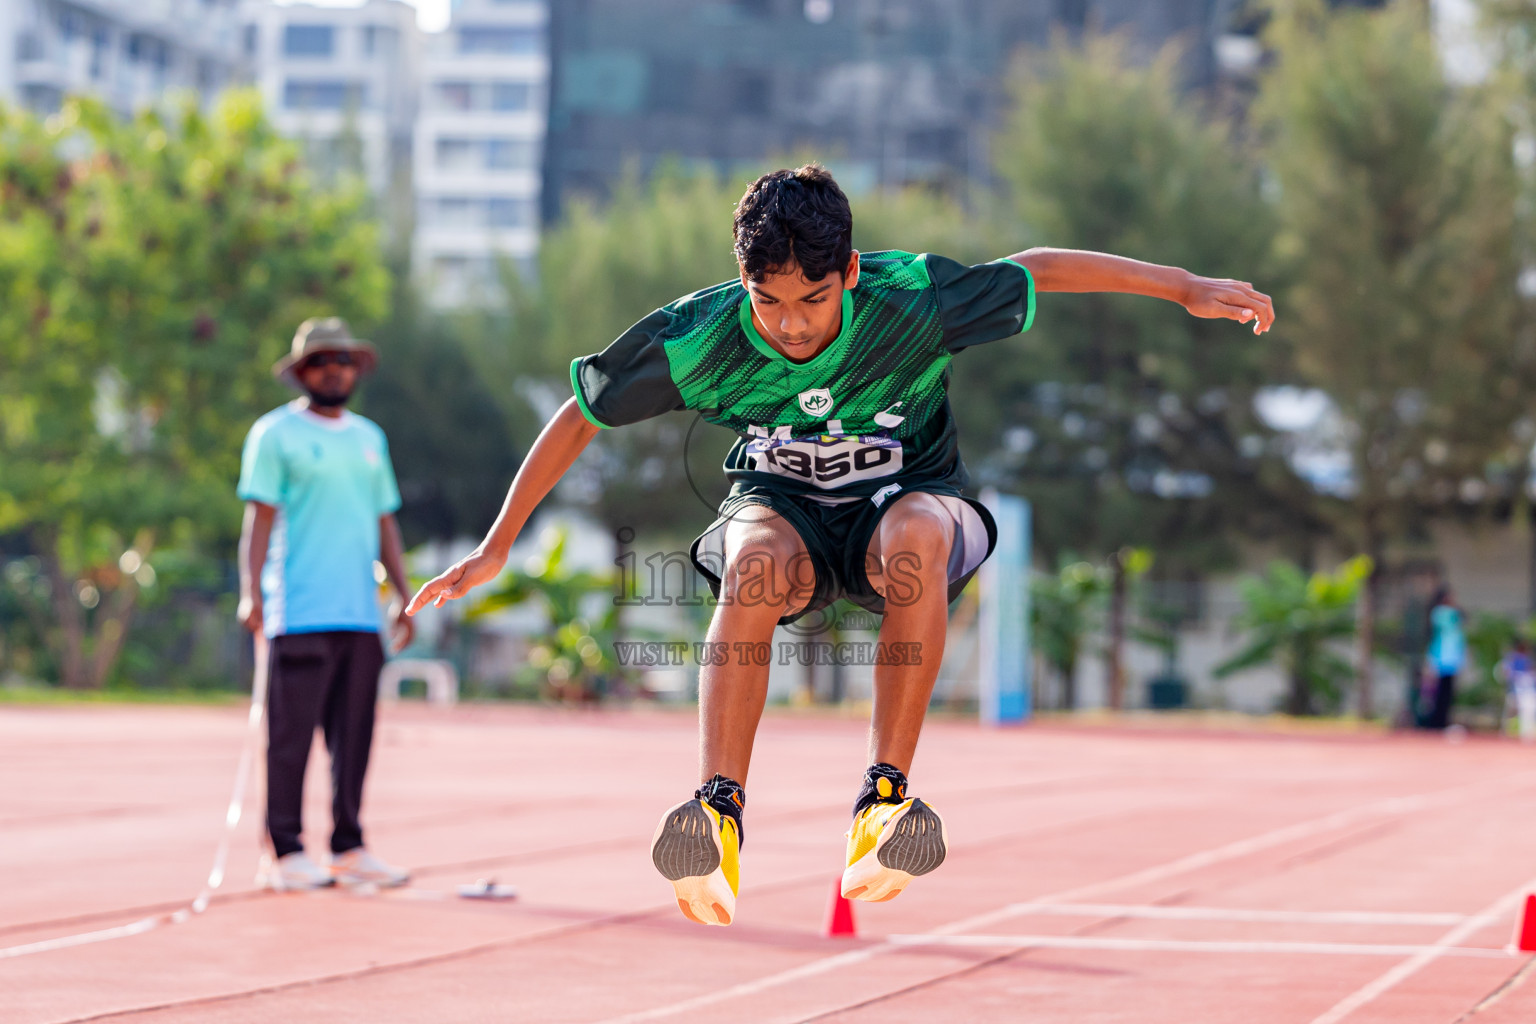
1182 865
1499 908
138 927
1189 945
1185 913
748 988
249 753
1216 855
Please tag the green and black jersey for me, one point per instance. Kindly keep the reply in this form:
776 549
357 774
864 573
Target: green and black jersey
869 411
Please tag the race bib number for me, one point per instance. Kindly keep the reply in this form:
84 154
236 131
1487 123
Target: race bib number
828 461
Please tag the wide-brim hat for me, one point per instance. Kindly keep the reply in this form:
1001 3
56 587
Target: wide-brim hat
323 334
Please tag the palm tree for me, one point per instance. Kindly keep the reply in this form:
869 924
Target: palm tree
1293 621
573 658
1064 606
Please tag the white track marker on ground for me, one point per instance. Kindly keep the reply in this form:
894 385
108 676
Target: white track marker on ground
1182 865
1501 907
1156 912
1189 945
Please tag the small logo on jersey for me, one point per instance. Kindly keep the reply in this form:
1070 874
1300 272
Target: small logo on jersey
816 402
371 457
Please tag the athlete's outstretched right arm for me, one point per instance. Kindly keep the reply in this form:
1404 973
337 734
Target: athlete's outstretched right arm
562 439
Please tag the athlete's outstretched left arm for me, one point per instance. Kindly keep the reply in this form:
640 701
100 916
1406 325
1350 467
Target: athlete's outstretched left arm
1073 270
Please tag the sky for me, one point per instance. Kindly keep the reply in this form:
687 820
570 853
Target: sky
431 15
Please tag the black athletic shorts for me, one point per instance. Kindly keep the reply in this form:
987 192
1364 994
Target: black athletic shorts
837 537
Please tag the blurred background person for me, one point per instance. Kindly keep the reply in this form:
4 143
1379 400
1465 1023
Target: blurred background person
1519 676
320 498
1447 652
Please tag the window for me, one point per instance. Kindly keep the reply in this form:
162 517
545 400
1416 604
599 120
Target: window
501 96
751 92
309 40
495 212
378 41
508 213
454 95
935 143
673 86
455 155
460 274
320 94
143 49
453 212
508 155
450 268
502 39
41 99
99 44
494 154
511 95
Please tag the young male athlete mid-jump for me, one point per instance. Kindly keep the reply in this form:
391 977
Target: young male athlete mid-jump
832 367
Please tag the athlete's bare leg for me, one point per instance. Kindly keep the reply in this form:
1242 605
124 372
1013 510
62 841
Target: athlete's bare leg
767 575
908 566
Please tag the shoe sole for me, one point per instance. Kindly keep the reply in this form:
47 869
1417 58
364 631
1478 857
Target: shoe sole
357 881
686 851
278 885
913 843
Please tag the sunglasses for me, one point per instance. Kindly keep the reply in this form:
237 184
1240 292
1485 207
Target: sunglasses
330 359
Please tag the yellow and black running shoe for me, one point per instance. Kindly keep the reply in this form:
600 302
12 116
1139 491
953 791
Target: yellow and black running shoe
893 839
698 850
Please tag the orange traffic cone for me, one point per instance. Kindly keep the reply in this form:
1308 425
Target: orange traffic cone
839 923
1525 929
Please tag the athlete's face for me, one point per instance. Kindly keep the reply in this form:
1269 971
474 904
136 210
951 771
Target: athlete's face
799 317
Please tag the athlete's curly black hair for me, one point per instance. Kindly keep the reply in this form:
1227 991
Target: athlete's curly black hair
797 216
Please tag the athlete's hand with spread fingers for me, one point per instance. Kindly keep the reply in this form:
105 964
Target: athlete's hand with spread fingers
477 567
1222 298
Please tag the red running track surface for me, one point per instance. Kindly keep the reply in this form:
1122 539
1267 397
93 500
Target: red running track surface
109 814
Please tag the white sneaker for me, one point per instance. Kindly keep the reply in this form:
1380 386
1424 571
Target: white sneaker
358 867
292 872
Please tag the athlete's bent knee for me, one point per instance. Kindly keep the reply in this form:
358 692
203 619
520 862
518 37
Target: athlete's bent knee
766 567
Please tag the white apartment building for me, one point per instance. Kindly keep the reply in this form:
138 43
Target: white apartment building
129 53
479 146
341 80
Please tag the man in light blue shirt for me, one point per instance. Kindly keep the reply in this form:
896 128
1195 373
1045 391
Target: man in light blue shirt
320 500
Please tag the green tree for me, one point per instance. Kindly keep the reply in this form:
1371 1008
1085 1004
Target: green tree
1397 202
453 445
922 220
1064 607
1490 637
1128 422
1295 621
151 271
573 658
